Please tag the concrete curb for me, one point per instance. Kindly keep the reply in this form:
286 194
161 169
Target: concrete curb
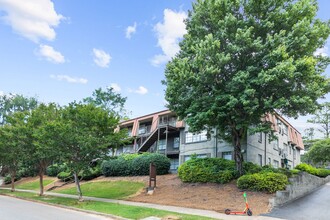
69 207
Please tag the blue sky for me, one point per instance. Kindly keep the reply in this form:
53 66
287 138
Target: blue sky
61 51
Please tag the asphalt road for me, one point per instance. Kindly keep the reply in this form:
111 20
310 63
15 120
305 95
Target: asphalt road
17 209
315 206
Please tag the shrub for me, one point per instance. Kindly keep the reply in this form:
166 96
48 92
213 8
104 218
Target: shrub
65 176
295 171
90 173
116 167
27 171
250 168
55 169
7 179
312 170
267 181
216 170
140 165
135 165
129 156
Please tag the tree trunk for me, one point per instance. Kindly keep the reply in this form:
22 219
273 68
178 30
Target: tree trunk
13 175
41 180
76 180
238 157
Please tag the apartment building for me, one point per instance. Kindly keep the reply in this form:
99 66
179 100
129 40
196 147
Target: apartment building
161 132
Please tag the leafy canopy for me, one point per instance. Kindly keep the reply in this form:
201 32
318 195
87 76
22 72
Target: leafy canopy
241 59
320 152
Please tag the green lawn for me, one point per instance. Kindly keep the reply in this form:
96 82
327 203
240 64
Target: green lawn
125 211
34 185
108 190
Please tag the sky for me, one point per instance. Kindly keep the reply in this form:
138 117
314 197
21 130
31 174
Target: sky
61 51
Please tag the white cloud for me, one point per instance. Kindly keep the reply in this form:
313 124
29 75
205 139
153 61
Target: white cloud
101 58
169 33
130 30
322 52
115 87
141 90
69 79
50 54
33 19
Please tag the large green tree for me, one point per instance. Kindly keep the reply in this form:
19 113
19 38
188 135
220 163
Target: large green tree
320 152
44 139
107 99
322 118
86 131
242 59
14 140
11 103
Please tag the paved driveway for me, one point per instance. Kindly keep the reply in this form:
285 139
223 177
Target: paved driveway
315 206
17 209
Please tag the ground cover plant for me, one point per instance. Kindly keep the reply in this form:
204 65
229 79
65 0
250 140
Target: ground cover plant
312 170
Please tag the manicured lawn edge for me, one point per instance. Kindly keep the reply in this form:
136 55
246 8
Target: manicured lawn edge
66 207
87 210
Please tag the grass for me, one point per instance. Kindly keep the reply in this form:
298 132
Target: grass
33 185
108 190
126 211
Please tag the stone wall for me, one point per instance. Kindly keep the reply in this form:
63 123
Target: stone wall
301 185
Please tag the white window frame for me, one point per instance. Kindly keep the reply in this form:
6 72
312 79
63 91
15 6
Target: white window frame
176 142
197 137
162 144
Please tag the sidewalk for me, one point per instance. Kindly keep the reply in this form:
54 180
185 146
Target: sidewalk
183 210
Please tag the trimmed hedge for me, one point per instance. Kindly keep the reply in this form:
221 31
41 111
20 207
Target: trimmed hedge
312 170
203 170
135 165
267 181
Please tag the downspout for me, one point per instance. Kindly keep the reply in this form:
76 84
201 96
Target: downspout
216 142
266 148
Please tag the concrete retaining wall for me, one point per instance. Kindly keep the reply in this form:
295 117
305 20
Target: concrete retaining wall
301 184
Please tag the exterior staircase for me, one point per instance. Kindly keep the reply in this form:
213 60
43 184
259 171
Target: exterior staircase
153 137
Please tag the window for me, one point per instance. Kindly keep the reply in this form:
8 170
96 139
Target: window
191 137
279 125
269 161
260 137
142 129
290 150
176 143
129 131
174 164
162 144
188 157
276 164
227 155
127 149
260 159
294 154
285 129
285 147
275 144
